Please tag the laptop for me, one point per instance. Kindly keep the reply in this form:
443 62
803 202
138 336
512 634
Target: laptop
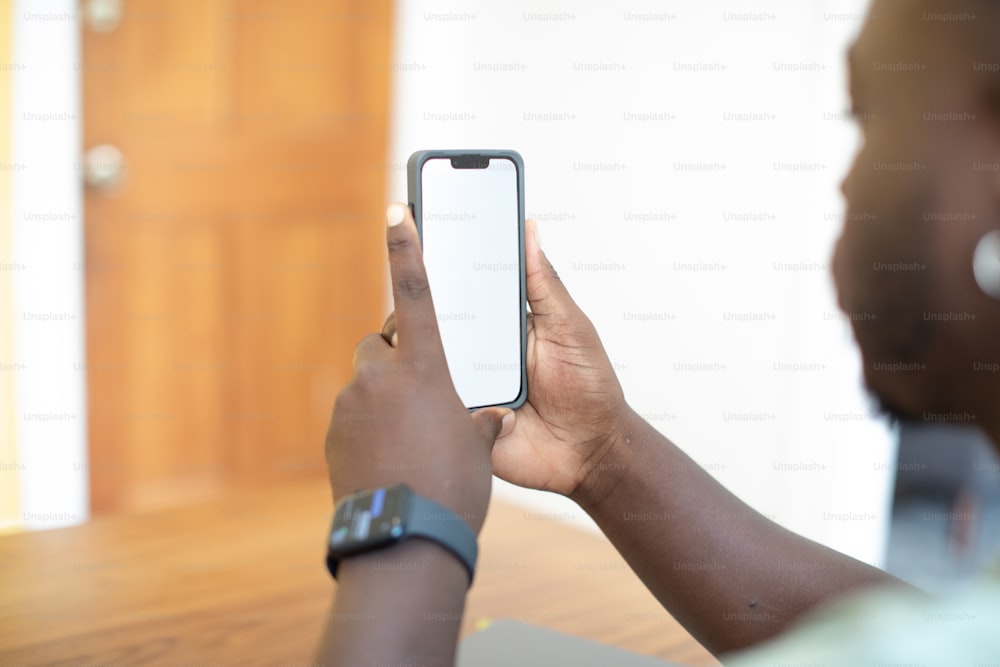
507 642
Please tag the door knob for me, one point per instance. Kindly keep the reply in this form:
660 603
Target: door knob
104 169
102 15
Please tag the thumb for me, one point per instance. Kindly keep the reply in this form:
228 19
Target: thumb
493 423
547 294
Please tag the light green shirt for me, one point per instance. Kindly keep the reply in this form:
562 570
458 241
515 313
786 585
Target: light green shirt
892 629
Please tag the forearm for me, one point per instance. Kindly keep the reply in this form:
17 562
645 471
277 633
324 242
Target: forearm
399 605
728 574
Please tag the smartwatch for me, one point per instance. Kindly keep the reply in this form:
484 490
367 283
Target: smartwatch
370 520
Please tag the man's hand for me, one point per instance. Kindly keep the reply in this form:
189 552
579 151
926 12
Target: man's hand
400 419
566 430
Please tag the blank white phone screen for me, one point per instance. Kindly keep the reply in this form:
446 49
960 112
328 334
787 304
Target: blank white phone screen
471 240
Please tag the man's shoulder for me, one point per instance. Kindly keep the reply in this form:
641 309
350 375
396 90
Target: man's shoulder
894 626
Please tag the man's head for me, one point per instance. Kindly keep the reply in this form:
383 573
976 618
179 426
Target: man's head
922 193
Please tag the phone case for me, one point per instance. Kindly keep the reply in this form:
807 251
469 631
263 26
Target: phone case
414 167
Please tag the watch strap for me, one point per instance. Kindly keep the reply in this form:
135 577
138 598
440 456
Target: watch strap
432 521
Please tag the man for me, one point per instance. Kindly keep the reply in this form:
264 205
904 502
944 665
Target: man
924 91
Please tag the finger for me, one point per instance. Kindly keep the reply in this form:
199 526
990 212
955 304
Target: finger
494 423
389 330
547 295
371 348
416 324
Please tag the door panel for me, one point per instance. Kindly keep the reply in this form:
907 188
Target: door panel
232 272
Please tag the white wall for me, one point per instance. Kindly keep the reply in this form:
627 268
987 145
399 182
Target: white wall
47 241
695 152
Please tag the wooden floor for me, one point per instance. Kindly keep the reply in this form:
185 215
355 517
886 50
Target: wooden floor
241 581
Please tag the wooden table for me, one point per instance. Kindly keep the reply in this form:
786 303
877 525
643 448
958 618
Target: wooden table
241 581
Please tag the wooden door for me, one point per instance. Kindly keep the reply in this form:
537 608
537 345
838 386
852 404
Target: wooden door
230 275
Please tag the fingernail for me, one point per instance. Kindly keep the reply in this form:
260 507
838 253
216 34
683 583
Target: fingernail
507 425
534 230
395 339
394 214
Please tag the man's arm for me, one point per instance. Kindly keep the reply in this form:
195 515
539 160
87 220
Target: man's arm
396 606
399 419
728 574
732 577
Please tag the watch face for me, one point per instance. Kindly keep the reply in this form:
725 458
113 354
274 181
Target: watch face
369 519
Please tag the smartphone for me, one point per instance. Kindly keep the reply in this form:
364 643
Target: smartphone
469 210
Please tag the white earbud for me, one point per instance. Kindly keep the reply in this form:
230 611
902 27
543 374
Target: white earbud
986 263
